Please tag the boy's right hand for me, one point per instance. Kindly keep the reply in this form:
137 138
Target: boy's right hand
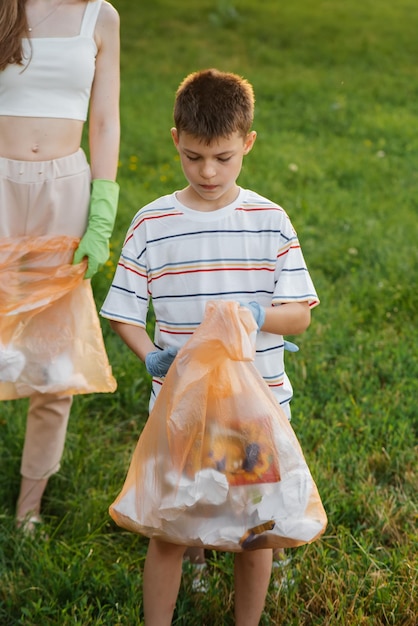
158 362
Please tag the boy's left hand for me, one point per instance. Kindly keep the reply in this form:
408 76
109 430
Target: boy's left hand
259 315
258 312
290 346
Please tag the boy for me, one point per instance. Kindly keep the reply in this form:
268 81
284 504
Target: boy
211 240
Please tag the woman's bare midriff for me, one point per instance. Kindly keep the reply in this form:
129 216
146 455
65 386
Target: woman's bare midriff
38 138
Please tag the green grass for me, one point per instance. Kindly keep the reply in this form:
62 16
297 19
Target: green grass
337 147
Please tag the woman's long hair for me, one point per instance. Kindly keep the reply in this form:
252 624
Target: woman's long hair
13 27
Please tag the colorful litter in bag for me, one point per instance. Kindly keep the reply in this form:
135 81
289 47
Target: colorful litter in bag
218 464
50 334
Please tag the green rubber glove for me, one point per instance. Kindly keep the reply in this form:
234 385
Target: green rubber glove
94 243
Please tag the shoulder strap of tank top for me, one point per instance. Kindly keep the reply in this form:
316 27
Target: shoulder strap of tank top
90 18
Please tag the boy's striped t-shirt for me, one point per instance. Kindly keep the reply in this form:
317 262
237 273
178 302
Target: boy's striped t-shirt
181 258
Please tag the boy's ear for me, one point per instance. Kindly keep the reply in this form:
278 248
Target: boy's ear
249 141
175 136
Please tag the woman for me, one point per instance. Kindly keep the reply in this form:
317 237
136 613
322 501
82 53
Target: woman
58 59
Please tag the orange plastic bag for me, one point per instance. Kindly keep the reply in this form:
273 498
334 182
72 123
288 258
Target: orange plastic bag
218 464
50 335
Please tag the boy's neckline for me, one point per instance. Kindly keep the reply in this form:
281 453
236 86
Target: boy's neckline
209 215
179 195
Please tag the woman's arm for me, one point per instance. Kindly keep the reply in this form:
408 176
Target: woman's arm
104 124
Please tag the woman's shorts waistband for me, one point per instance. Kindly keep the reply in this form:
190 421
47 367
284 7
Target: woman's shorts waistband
40 171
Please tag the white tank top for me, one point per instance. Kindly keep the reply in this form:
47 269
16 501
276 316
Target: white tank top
56 78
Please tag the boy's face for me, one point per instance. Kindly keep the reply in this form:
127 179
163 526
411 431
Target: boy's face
211 170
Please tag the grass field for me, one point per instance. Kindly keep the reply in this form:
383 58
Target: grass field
337 147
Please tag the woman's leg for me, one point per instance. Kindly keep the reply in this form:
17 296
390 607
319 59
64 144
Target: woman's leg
252 577
196 556
197 560
39 199
46 430
29 500
162 577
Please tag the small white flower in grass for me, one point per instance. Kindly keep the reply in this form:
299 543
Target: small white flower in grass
293 167
352 251
380 154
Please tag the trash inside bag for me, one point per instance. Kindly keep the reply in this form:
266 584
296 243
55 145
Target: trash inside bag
218 464
50 334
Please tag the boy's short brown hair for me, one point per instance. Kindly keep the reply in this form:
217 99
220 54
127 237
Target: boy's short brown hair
210 104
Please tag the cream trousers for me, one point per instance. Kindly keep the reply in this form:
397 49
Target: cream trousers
44 198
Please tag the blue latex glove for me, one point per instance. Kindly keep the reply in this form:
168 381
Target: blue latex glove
258 312
259 315
290 347
158 362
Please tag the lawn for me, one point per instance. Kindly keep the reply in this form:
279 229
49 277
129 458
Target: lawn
337 147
